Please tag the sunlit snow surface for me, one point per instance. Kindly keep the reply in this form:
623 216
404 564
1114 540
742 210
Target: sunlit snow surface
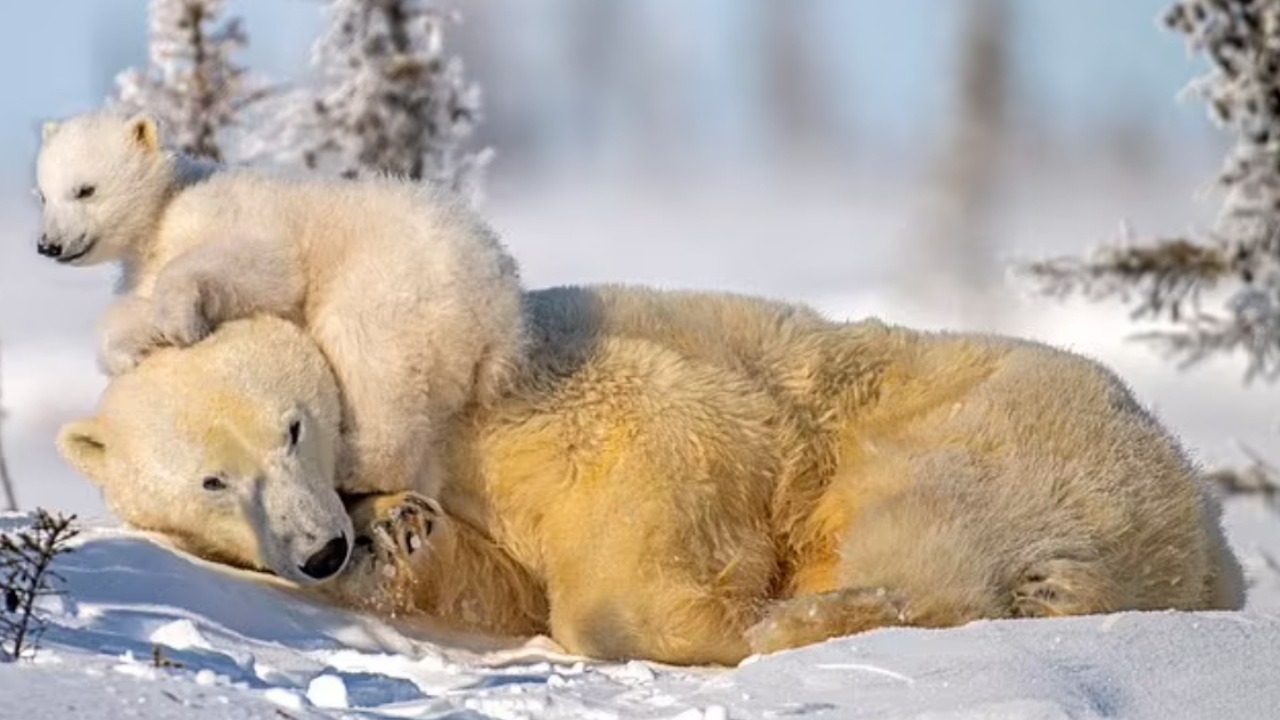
237 646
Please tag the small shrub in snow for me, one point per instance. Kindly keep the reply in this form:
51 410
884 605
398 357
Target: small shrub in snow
159 661
26 576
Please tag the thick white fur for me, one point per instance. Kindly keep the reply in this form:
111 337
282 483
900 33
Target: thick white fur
689 477
278 506
353 262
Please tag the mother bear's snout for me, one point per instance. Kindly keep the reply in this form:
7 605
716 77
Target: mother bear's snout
328 560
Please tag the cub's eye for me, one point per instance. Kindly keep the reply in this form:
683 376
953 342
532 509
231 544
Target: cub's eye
295 433
39 195
214 484
84 192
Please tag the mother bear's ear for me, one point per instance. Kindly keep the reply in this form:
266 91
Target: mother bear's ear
82 443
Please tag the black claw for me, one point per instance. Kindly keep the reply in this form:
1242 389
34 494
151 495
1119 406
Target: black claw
423 504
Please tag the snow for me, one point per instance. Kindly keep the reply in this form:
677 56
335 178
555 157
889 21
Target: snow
327 691
240 645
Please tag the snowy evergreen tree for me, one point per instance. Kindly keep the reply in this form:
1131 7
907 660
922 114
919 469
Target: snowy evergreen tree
965 180
390 101
1235 266
192 85
1168 278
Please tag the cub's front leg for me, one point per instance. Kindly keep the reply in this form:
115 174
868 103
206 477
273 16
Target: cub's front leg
126 334
222 281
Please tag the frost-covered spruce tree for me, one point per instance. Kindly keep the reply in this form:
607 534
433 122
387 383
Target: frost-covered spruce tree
390 101
192 84
1168 278
1220 293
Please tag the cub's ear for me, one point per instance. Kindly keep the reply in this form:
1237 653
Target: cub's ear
82 443
144 133
48 129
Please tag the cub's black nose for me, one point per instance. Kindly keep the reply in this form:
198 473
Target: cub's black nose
328 560
49 248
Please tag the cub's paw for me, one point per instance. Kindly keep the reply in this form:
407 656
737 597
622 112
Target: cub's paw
127 335
179 307
119 355
393 532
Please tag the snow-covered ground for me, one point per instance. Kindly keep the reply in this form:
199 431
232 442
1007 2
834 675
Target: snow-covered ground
247 649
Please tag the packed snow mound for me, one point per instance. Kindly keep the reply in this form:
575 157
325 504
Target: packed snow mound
232 644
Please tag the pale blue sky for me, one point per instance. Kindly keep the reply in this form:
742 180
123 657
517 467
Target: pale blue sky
1078 62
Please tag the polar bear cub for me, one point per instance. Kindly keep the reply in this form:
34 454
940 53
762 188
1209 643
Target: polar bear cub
353 262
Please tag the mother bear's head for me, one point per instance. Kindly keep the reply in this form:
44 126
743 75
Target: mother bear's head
226 448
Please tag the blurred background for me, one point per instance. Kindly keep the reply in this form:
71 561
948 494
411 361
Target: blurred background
869 158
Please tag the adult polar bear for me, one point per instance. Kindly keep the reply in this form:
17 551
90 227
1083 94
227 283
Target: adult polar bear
689 477
354 263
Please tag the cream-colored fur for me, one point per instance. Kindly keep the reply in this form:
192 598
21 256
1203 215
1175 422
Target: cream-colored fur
254 407
356 263
690 477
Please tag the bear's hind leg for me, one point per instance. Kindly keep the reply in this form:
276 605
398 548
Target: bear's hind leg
945 551
664 623
811 619
1051 588
1059 587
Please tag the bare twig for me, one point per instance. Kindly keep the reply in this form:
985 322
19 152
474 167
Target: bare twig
1260 478
6 481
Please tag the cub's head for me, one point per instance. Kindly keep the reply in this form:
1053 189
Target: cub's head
102 179
227 449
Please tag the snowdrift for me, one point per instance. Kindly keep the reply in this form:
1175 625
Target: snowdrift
237 645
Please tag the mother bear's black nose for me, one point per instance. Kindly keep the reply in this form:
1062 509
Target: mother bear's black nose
328 560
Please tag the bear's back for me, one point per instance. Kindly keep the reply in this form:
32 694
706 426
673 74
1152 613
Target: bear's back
736 332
